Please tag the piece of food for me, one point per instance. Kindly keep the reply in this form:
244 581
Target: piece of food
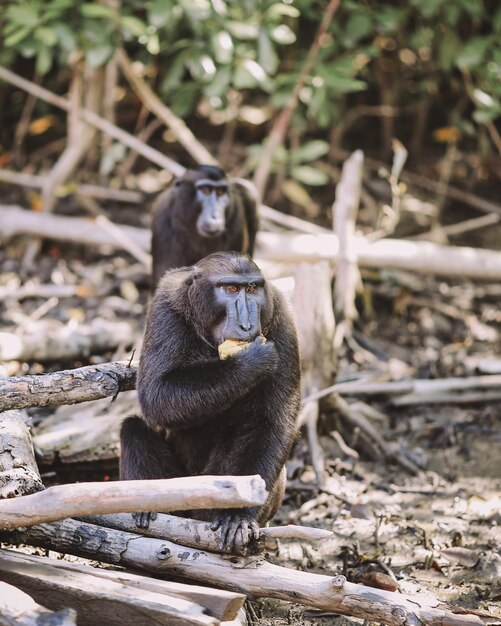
230 347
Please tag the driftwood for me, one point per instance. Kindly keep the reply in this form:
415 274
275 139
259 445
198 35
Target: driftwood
169 494
428 390
196 534
51 340
315 326
67 386
344 211
84 433
416 256
19 609
56 581
251 576
97 600
19 474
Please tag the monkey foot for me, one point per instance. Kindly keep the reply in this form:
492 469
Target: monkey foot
231 526
143 520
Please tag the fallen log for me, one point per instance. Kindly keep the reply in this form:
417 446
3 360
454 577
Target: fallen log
19 474
54 581
173 494
97 600
251 576
416 256
197 534
52 340
82 384
19 609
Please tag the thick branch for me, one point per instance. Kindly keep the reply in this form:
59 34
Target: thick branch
51 340
172 494
19 473
250 576
196 534
67 386
19 609
416 256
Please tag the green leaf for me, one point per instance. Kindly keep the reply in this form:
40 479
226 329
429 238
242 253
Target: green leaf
46 36
343 84
25 15
44 61
267 57
473 53
65 36
283 35
309 175
242 30
448 47
219 85
310 151
160 13
222 45
485 116
184 99
249 74
278 10
99 55
296 193
359 25
96 11
134 25
16 37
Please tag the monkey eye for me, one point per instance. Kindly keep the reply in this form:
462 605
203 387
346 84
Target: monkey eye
232 289
206 190
251 289
220 191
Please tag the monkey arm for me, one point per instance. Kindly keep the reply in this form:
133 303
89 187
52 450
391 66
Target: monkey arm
197 393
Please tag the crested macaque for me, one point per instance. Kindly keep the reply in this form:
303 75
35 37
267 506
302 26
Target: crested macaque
200 414
204 212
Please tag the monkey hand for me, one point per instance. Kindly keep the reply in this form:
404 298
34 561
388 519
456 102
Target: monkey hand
237 529
142 520
261 356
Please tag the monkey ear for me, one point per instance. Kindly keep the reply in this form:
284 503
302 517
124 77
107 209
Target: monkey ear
194 274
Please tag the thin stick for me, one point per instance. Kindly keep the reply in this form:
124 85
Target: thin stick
277 134
106 127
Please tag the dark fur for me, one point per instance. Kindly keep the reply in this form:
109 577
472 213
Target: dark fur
175 240
201 415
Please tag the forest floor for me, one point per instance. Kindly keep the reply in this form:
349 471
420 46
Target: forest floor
438 532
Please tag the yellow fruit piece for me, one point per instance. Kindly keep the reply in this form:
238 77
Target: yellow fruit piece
230 347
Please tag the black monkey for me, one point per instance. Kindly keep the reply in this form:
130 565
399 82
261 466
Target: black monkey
203 213
203 415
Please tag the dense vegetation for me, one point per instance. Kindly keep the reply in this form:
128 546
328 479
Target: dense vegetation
425 71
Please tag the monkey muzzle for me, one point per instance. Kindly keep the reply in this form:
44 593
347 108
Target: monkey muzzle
243 319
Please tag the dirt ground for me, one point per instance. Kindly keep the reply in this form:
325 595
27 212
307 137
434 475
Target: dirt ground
436 532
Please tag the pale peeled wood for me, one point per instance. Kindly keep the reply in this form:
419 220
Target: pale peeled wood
416 256
197 534
19 609
344 211
251 576
224 605
98 600
52 340
194 492
19 473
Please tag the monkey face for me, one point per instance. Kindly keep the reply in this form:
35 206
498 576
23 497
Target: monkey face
213 199
243 297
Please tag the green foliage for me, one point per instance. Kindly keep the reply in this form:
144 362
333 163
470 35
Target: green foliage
207 51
